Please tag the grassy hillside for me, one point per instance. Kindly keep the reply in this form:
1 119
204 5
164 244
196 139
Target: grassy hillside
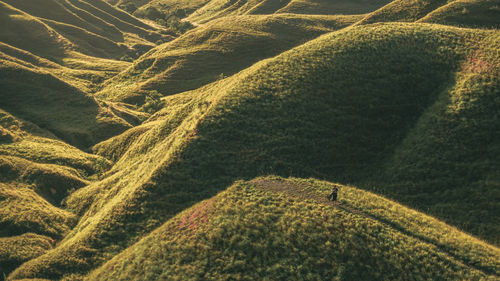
404 10
329 7
90 27
348 106
37 172
220 8
214 51
463 13
468 13
56 106
18 249
272 228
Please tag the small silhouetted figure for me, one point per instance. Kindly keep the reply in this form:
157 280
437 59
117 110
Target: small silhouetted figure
333 194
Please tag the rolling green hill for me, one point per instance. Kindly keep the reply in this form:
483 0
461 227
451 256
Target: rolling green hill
141 149
287 229
350 106
90 27
464 13
467 13
216 50
220 8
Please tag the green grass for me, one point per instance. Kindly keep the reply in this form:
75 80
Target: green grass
17 249
328 7
104 162
22 211
341 107
463 13
215 9
216 50
52 104
467 13
272 228
403 10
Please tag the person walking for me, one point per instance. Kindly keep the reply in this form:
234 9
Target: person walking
334 194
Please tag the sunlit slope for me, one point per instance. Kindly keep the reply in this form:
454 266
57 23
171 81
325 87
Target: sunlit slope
18 249
277 229
470 13
188 6
220 8
337 107
215 50
61 27
448 164
66 111
37 172
331 7
96 16
463 13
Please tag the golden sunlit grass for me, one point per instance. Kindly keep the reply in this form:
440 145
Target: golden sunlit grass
105 163
286 228
343 107
214 51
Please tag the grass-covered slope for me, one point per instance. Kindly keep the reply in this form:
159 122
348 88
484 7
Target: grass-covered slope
220 8
37 172
70 114
329 7
463 13
346 107
217 49
403 10
469 13
277 229
94 16
18 249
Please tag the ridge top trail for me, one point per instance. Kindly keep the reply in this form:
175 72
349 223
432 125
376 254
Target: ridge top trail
296 192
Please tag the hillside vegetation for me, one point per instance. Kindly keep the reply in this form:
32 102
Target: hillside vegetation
287 229
345 107
464 13
214 51
220 8
137 140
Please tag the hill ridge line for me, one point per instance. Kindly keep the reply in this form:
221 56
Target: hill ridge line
278 186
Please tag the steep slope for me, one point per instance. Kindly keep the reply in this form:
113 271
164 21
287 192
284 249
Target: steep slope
67 112
220 8
217 49
464 13
403 10
329 7
341 107
36 172
272 228
94 16
469 13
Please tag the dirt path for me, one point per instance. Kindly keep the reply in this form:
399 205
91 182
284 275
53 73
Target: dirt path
295 191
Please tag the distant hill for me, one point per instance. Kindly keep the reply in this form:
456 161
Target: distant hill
88 26
467 13
353 105
216 50
286 229
220 8
464 13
